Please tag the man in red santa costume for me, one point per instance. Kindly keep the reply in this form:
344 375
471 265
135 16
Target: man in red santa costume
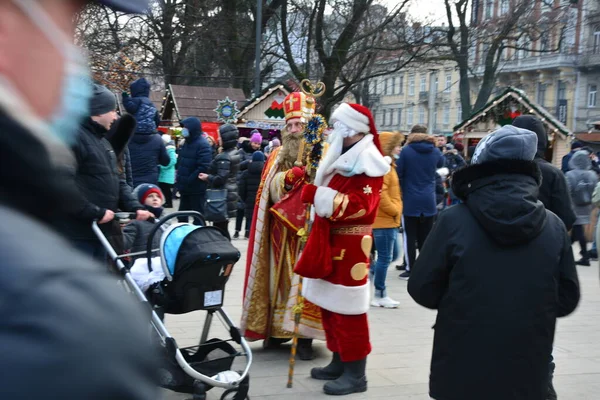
335 261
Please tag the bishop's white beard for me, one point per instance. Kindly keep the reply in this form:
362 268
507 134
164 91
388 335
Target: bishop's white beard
336 145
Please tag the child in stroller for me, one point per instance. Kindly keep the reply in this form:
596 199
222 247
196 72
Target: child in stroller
196 262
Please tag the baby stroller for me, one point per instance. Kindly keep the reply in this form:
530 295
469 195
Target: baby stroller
197 261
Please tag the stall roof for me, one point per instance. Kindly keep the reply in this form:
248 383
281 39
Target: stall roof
250 104
520 97
592 137
197 101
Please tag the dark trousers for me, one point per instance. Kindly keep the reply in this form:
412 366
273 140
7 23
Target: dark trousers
416 230
191 202
249 215
167 190
578 234
239 219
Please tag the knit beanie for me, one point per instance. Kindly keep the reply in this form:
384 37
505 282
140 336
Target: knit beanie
275 143
258 156
146 189
256 137
102 101
507 143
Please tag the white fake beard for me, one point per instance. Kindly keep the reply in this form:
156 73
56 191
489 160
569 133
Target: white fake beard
336 144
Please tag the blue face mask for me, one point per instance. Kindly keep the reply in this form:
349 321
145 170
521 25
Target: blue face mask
185 132
396 156
76 88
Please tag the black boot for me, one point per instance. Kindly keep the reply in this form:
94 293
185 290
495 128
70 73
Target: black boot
584 261
353 380
305 350
551 392
334 370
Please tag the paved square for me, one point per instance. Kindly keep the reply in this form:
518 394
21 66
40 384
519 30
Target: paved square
398 367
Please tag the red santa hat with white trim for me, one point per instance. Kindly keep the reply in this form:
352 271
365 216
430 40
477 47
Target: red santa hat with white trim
359 119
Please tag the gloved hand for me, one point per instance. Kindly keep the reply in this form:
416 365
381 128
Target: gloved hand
294 175
124 95
308 193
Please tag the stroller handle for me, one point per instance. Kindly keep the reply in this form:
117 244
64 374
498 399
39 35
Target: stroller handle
194 214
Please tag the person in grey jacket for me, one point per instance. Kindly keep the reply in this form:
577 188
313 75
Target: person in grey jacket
581 181
67 331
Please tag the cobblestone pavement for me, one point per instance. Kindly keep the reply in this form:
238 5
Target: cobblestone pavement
402 338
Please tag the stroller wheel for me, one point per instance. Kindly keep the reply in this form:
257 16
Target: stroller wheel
234 394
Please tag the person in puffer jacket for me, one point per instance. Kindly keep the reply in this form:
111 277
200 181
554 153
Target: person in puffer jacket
248 186
140 106
166 177
223 170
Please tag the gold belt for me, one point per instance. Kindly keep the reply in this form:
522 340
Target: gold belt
359 230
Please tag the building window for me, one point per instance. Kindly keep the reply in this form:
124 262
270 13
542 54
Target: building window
592 92
394 91
596 48
448 85
401 84
390 120
446 114
384 119
489 9
504 6
541 94
423 87
561 93
421 114
386 86
411 85
544 42
399 123
409 116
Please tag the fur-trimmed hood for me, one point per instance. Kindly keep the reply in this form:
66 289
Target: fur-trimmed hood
503 196
420 137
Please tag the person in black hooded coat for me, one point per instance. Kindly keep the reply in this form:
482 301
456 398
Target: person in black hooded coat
249 183
494 330
223 171
554 193
194 158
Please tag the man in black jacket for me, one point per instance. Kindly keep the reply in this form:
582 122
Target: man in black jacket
194 158
494 333
102 189
67 330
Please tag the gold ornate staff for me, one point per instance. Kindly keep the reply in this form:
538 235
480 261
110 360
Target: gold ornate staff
312 92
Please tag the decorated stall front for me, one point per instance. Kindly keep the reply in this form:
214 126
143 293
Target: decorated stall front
264 112
502 110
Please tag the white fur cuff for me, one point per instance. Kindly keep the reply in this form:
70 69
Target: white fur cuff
324 201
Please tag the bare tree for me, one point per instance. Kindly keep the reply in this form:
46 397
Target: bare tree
472 40
346 42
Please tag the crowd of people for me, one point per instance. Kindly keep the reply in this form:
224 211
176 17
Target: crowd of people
62 139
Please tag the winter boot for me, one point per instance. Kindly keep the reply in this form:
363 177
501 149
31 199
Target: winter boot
333 371
584 261
551 392
236 235
305 350
353 380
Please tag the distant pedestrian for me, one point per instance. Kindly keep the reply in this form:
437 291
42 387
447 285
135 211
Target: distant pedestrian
494 330
166 177
581 181
387 222
575 146
416 167
194 159
248 187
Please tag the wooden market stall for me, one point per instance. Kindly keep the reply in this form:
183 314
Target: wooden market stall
264 112
502 110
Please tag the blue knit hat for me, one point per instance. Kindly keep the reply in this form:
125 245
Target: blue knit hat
258 156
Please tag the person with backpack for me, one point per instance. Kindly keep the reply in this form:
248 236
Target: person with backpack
581 181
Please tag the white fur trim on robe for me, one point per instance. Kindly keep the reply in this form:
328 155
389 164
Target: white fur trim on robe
340 299
324 201
362 158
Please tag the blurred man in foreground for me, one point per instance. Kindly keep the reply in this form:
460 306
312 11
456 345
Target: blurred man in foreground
67 330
